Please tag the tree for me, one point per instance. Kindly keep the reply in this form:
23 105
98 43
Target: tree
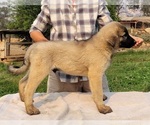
4 15
113 12
146 7
119 6
23 15
146 10
114 8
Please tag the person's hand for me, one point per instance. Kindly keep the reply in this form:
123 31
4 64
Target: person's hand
138 41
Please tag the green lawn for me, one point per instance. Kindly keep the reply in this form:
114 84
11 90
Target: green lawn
9 82
129 71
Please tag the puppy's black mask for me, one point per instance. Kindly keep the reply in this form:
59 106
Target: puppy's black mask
127 41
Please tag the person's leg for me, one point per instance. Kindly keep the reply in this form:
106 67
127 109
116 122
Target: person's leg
105 84
55 85
86 87
71 87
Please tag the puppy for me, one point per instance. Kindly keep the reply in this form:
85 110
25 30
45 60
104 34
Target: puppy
88 58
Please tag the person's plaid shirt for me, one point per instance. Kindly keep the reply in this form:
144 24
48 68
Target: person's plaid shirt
71 23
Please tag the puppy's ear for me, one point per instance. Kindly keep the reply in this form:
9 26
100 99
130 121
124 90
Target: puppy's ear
113 41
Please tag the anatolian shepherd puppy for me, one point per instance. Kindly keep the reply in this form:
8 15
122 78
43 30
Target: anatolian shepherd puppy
85 58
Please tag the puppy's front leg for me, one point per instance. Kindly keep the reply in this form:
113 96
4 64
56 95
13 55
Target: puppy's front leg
95 80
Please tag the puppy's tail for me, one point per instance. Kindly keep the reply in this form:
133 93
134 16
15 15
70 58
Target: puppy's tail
18 70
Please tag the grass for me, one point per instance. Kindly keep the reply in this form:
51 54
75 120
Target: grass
129 71
9 82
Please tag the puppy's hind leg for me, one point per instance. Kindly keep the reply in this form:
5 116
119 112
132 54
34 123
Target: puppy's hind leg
22 84
36 75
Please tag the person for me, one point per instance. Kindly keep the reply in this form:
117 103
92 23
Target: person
71 20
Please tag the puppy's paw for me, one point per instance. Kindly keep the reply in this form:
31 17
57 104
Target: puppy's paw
104 109
31 110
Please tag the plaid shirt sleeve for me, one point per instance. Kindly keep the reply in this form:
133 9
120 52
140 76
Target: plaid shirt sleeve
103 14
42 20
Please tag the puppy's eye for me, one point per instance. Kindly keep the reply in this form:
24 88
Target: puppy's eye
124 37
125 34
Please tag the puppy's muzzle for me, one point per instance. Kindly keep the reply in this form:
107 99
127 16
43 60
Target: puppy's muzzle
127 42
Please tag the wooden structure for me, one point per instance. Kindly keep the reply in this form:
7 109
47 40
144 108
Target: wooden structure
20 38
136 22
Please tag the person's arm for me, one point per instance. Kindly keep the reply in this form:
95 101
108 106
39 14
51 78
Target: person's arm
103 14
40 23
37 36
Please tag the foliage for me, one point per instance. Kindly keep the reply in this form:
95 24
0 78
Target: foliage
9 82
146 7
114 8
23 15
146 10
4 14
113 12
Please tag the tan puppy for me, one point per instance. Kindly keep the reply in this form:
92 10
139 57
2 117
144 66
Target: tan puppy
85 58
